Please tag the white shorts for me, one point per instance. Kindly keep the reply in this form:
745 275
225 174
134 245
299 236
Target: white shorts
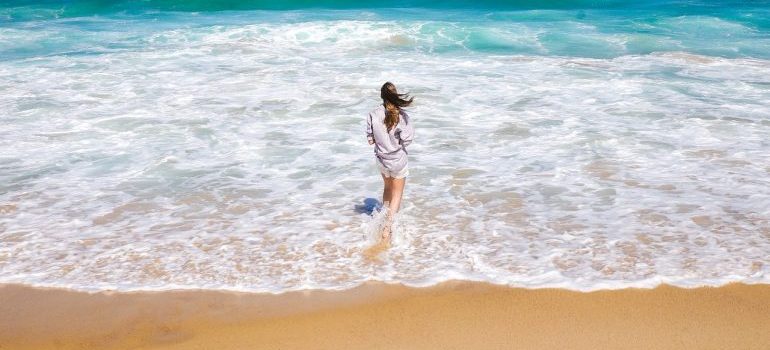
387 173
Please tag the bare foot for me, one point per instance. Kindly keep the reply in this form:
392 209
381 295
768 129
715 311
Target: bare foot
386 232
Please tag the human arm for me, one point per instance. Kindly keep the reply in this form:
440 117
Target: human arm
406 131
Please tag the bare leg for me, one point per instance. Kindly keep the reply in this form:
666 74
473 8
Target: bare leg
386 190
396 192
387 193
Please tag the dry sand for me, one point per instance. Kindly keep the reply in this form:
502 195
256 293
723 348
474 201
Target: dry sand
453 315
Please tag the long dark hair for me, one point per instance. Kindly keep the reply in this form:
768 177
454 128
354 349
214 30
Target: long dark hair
393 101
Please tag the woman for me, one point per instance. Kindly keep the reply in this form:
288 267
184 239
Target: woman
389 129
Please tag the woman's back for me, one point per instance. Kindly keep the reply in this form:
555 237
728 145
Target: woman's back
389 142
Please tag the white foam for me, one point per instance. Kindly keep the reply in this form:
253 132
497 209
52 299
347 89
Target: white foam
233 158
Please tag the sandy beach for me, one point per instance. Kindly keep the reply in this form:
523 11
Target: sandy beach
453 315
184 174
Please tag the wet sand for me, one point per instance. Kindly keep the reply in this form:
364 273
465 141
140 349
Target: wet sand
453 315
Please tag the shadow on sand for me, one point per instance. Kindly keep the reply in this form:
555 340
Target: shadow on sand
368 207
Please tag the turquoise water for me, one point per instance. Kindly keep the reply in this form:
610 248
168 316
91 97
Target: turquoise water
219 144
564 28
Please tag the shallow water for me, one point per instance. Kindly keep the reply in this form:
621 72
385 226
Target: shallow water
574 147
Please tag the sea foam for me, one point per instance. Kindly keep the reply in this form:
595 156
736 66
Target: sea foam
225 152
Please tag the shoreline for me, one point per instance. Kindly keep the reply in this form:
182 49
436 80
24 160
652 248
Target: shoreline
455 314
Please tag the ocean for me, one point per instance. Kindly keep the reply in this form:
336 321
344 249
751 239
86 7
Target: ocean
169 144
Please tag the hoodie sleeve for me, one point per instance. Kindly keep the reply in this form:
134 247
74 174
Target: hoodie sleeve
369 131
406 131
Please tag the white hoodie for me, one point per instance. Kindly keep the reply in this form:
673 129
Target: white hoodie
390 147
